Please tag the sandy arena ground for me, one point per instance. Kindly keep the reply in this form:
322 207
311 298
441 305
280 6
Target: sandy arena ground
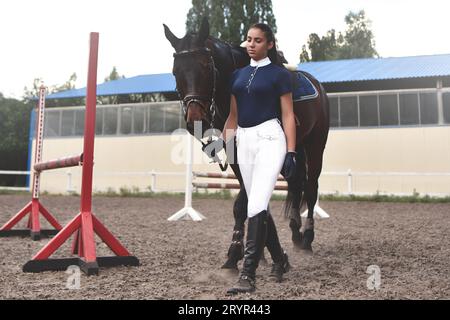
410 244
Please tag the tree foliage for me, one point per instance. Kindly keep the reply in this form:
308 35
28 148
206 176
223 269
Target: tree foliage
14 130
357 41
114 75
230 19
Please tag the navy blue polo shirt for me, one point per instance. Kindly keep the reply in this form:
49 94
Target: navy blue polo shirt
258 97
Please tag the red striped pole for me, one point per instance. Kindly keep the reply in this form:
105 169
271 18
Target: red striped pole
209 185
39 140
222 175
59 163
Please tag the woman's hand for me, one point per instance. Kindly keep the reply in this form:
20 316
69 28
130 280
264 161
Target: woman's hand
214 147
289 165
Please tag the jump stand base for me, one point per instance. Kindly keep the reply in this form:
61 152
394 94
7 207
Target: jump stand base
91 268
35 236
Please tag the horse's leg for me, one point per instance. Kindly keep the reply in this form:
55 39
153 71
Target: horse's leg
314 153
295 194
296 186
236 250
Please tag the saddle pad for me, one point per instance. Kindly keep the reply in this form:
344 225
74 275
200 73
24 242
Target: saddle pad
303 89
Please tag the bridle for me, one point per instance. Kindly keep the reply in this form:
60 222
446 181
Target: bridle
189 99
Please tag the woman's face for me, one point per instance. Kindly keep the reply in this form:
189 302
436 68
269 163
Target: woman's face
257 45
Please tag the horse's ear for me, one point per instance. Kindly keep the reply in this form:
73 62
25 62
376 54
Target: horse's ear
203 33
171 37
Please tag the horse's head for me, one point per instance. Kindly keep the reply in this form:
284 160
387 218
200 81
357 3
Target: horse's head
195 73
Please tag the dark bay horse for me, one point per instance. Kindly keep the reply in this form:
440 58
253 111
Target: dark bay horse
202 67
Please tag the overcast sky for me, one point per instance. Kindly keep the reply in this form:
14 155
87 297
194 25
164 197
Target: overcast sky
49 38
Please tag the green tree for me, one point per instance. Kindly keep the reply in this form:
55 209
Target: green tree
68 85
357 42
200 9
359 39
31 94
229 20
114 75
14 130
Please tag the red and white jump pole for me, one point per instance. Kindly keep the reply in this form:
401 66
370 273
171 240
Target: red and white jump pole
34 207
189 212
318 211
85 224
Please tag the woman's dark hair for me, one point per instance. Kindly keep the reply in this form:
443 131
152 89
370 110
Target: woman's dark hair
273 53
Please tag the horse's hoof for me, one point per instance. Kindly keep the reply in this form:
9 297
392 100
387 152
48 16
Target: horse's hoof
297 235
297 239
230 265
308 238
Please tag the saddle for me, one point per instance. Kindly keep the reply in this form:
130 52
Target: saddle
302 88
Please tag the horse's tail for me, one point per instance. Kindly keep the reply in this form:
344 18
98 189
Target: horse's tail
296 186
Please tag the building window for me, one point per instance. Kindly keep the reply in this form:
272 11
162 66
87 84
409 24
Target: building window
446 105
428 108
409 109
52 123
110 121
368 111
79 122
388 110
126 119
99 114
139 120
68 123
156 118
349 112
334 112
172 118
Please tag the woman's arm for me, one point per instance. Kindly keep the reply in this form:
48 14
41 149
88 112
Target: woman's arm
229 130
288 118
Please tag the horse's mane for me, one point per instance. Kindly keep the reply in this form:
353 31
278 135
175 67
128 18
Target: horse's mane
191 36
242 51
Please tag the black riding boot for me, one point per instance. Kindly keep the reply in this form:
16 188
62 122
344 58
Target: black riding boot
256 239
280 259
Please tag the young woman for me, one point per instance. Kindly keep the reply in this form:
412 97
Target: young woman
262 118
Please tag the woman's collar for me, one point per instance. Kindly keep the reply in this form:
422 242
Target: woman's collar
261 63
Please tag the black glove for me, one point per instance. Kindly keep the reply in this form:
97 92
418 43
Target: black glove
214 147
288 170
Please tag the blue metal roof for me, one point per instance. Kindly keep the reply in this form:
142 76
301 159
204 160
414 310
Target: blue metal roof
324 71
379 69
152 83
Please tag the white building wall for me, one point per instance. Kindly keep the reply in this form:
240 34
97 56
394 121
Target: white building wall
126 162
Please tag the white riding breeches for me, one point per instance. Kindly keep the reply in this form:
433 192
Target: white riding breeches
260 152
